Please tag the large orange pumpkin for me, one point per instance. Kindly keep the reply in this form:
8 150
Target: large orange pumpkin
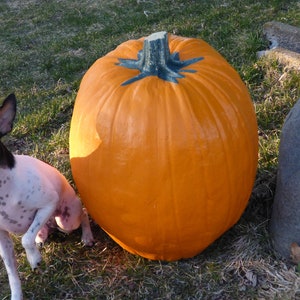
163 145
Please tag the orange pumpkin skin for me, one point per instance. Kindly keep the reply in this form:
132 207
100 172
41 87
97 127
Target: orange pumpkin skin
164 168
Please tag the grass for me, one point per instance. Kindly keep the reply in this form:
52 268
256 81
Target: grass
46 47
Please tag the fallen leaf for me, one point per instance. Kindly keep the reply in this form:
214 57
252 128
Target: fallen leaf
295 253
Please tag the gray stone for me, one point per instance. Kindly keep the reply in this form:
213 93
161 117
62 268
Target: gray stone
282 35
285 220
284 43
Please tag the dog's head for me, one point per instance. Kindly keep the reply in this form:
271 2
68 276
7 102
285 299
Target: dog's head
7 116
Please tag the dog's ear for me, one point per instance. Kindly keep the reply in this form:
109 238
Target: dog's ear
7 114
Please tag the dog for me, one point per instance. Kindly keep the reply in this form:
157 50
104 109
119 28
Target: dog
33 197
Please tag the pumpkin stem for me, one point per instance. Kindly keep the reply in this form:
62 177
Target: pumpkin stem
155 59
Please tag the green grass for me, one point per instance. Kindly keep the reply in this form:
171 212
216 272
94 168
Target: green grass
46 47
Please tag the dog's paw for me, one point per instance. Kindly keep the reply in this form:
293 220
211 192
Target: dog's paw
33 254
88 240
34 258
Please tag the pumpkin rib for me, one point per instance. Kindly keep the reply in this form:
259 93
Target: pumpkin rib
214 119
245 127
184 95
175 210
173 195
214 87
192 112
237 105
158 214
219 135
170 168
238 116
112 133
225 150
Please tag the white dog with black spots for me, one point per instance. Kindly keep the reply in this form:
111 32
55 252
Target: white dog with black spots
33 198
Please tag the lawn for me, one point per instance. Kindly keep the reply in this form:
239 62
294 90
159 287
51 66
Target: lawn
47 46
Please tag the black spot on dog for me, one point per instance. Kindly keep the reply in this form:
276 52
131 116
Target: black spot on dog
4 214
65 214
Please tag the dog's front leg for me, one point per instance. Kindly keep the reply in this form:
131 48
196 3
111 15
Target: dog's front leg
28 240
87 235
8 256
